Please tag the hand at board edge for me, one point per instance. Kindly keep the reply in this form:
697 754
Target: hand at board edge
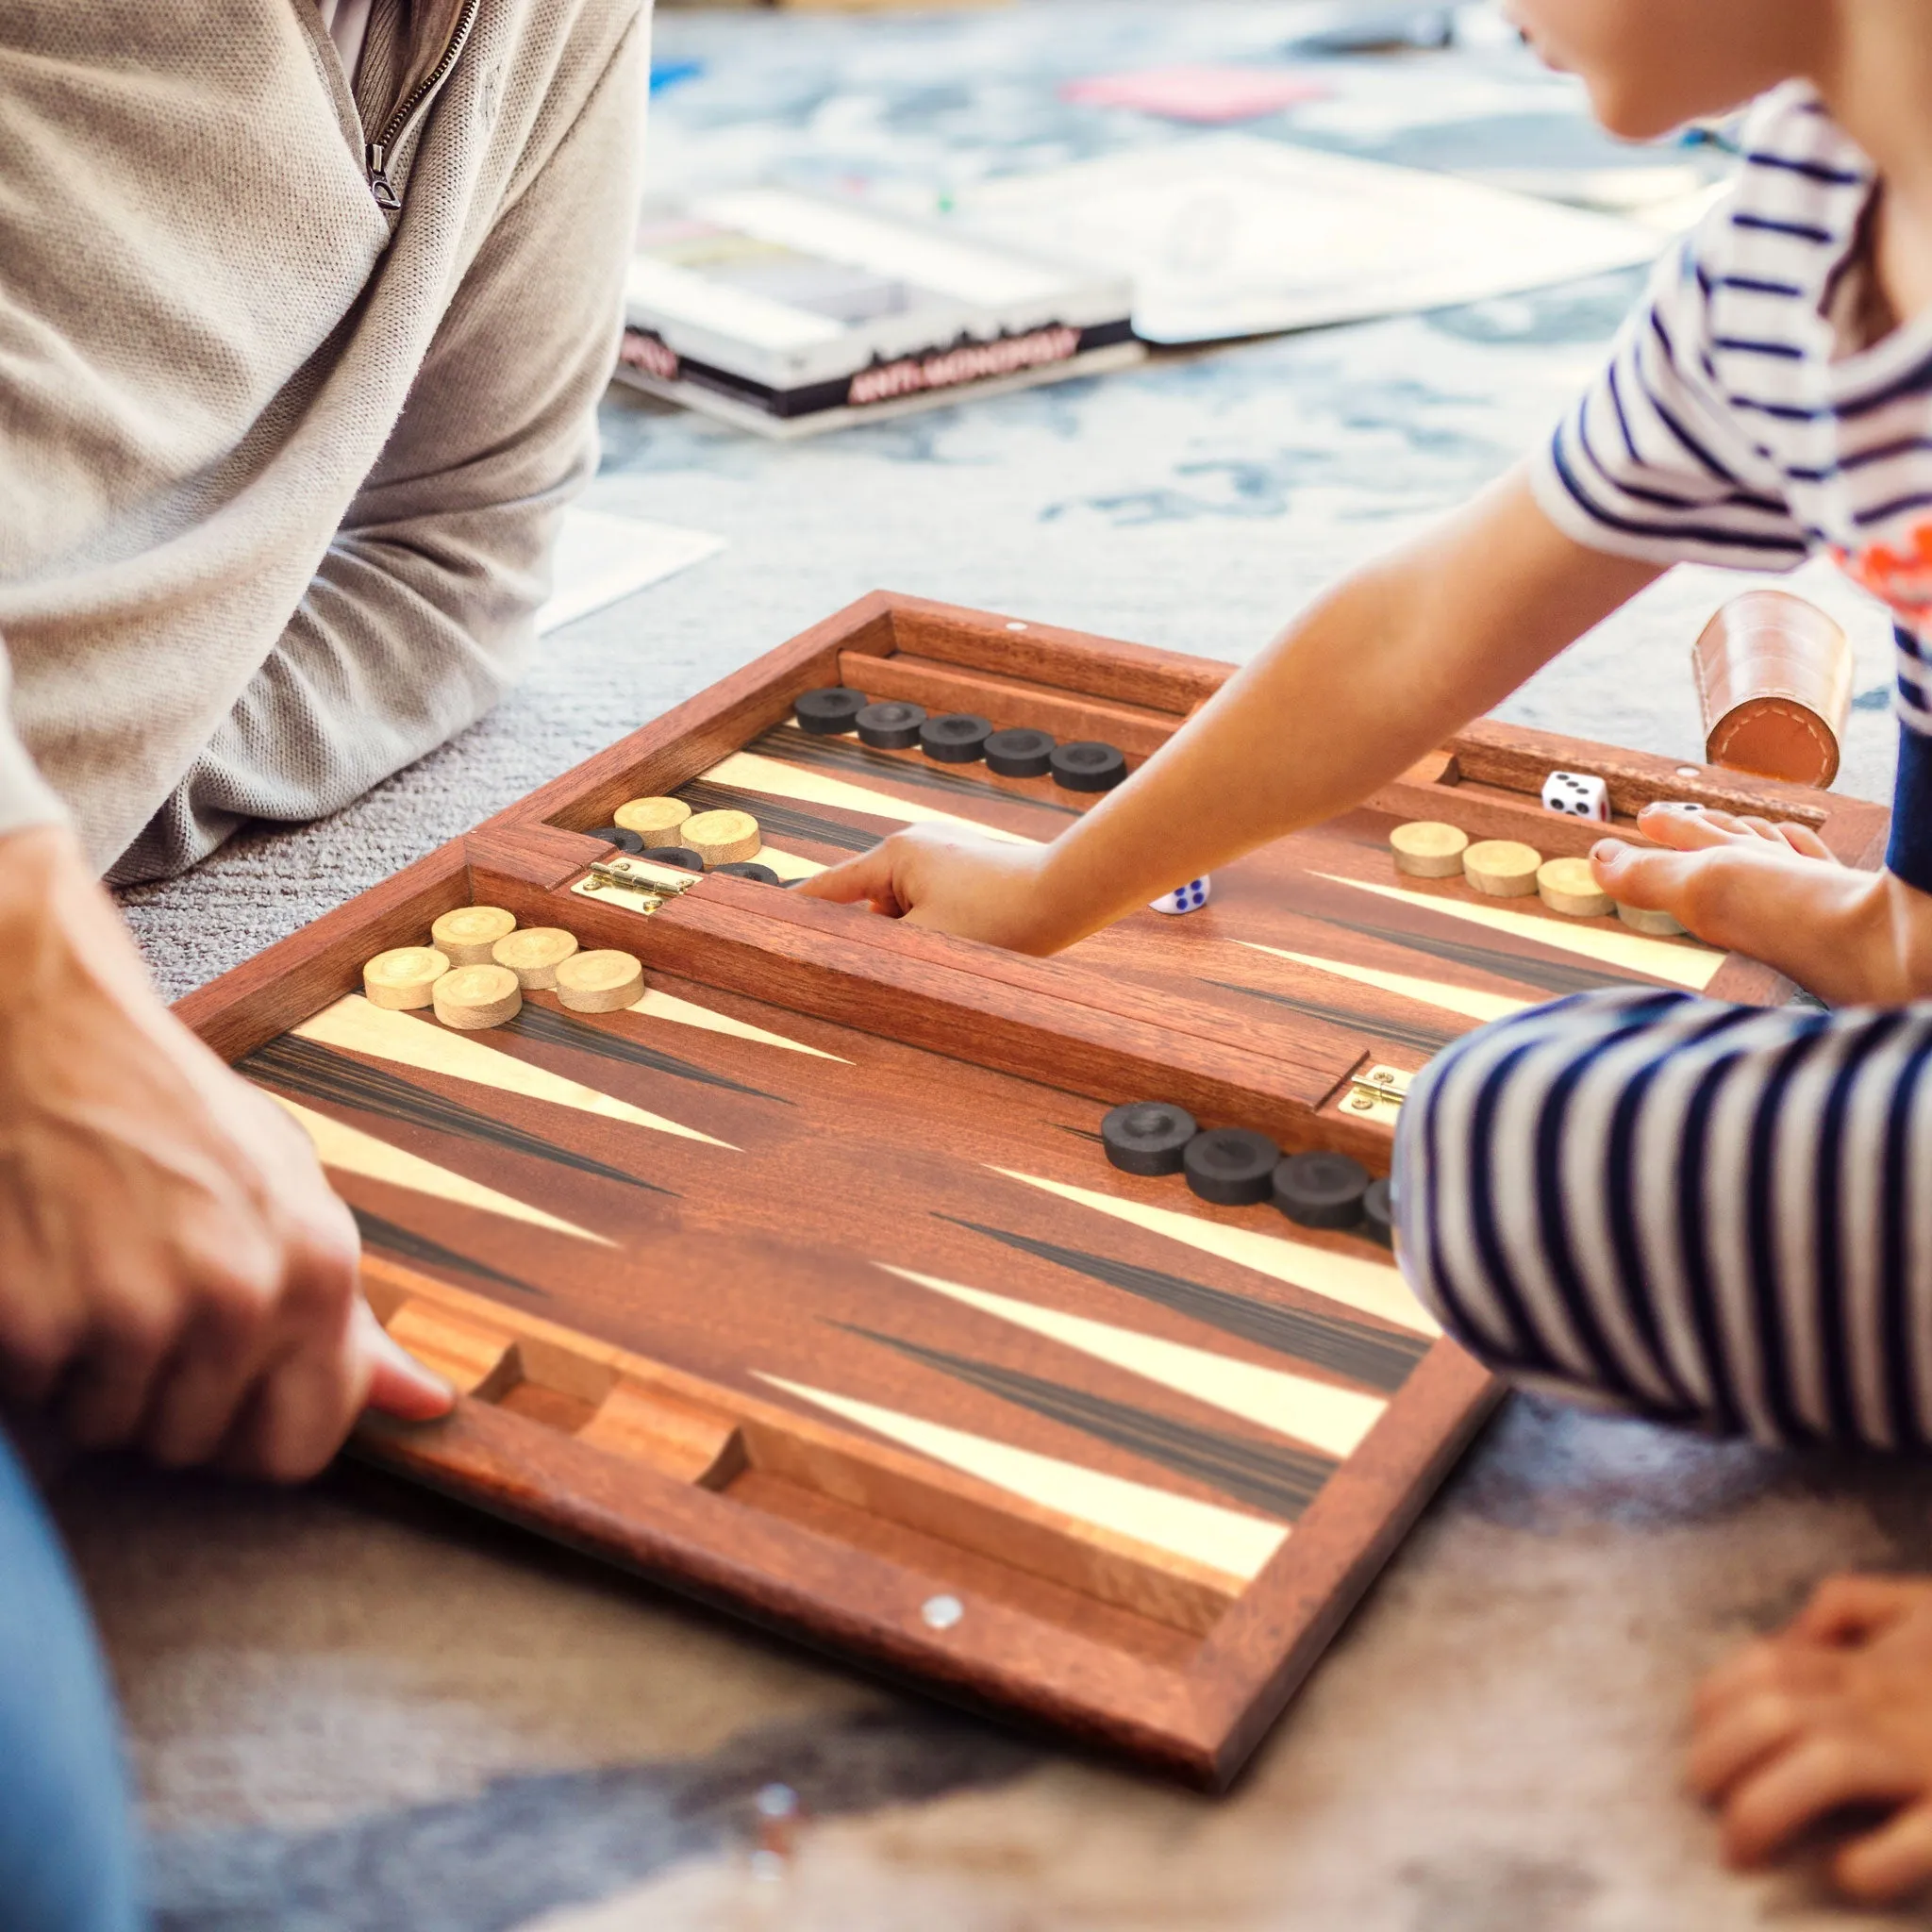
174 1272
1776 892
1824 1724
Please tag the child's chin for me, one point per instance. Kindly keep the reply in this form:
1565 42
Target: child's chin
1628 118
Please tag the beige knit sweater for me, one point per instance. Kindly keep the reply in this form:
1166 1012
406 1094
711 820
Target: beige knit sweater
280 471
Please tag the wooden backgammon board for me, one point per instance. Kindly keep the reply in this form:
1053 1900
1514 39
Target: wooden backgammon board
803 1285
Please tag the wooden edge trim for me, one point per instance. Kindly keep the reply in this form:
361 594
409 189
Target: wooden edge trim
779 1574
981 1021
1294 1607
749 909
1518 758
1062 982
1078 661
693 736
294 978
851 1467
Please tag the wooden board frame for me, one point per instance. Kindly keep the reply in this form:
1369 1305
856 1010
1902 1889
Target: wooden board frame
1064 1630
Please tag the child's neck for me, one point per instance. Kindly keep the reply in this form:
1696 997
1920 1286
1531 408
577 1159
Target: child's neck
1877 79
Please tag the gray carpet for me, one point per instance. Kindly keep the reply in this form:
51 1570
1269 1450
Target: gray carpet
357 1706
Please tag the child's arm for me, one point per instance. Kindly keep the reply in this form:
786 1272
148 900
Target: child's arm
1379 670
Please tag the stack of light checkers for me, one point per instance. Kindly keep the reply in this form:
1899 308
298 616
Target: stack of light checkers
1507 869
960 737
479 963
672 834
1235 1168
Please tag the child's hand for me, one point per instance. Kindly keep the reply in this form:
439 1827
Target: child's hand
959 881
1776 893
1833 1713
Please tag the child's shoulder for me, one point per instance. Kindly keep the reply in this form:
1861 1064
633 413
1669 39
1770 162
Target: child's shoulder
1792 122
1799 194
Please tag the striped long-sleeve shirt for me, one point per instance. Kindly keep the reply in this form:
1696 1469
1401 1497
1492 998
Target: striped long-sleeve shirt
1741 420
1711 1213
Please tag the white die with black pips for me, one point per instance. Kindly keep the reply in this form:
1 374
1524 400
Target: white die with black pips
1188 898
1576 795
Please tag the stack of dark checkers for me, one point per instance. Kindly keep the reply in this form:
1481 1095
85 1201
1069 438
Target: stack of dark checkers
960 737
769 1242
1234 1167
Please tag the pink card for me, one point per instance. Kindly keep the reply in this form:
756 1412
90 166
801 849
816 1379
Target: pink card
1206 94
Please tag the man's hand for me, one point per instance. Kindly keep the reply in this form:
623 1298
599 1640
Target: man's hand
174 1270
1832 1716
1774 892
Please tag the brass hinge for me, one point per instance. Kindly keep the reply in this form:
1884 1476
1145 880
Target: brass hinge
639 884
1377 1093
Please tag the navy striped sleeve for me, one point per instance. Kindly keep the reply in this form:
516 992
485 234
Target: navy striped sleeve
1652 460
1705 1213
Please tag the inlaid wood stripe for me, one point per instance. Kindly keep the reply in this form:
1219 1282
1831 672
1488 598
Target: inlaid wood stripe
656 1005
1230 1540
745 770
1375 1356
349 1150
1692 966
317 1072
1551 976
1465 1000
846 755
566 1029
1280 1480
1373 1287
1426 1040
411 1246
355 1026
1317 1414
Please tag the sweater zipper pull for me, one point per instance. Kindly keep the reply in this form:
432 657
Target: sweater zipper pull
375 155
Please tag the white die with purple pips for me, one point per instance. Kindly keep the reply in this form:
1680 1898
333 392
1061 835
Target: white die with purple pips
1576 795
1188 898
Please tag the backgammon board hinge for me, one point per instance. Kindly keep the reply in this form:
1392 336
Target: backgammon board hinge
636 884
1376 1093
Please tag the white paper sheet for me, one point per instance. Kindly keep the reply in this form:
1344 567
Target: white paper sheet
1231 235
601 558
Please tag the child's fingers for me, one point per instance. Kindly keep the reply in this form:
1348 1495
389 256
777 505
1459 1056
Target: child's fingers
1767 1666
1741 1736
868 877
1813 1778
1804 842
1686 827
1698 828
1849 1609
1658 881
1890 1862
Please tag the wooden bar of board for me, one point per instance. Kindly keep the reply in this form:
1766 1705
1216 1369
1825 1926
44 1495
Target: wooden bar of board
803 1285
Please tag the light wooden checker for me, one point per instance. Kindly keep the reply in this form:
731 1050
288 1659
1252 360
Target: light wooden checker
403 977
534 954
1658 925
656 820
1426 849
721 837
1569 885
466 935
1502 868
601 981
474 998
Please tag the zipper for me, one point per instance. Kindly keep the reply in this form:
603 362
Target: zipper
375 154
